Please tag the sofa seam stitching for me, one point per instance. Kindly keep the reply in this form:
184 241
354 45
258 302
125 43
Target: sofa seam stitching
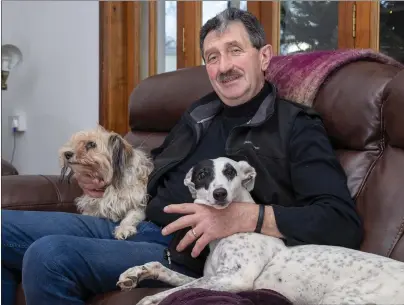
59 196
382 146
396 238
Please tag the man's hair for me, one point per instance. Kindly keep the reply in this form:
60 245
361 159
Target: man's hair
221 21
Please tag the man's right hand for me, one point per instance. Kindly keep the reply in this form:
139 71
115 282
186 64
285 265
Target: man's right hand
91 186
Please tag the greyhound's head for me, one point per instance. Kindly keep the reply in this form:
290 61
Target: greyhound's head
218 182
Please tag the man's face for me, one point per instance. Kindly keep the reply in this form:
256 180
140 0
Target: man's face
234 66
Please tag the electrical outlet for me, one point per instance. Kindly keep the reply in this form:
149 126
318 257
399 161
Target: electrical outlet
19 122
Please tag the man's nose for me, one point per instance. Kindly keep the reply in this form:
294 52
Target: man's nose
226 64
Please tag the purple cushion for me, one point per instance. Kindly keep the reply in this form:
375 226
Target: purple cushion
197 296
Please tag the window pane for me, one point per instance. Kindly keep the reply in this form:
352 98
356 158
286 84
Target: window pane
170 36
391 36
308 26
211 8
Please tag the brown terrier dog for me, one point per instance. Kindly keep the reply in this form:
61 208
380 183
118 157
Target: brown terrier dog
125 170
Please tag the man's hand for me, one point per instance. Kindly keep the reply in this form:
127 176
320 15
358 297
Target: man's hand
209 223
91 186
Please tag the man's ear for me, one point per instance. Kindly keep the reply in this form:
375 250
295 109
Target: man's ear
265 56
247 174
188 182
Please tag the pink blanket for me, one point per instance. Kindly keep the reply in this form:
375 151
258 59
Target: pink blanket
298 77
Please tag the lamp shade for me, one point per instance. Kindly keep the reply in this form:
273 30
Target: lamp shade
10 57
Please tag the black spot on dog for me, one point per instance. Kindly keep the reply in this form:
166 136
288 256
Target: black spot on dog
203 174
229 171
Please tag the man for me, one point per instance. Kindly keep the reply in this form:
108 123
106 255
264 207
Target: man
66 258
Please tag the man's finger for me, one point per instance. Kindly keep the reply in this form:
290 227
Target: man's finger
180 223
182 208
200 244
189 238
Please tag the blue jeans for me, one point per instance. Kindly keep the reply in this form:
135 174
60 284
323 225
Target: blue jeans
65 258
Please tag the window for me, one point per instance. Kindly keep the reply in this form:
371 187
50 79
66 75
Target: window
308 26
391 30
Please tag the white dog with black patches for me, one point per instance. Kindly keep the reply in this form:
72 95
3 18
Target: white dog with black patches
125 170
308 274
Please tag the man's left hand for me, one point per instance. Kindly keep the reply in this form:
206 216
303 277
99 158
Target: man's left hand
209 223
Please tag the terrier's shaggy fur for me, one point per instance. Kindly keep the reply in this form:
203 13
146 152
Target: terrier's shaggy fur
125 170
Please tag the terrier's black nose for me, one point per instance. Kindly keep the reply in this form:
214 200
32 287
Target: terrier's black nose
68 155
220 194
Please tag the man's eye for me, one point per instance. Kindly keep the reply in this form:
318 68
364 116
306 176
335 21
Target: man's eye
236 51
212 58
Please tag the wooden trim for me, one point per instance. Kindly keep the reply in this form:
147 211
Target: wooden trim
152 37
196 32
254 7
268 13
189 16
271 19
367 24
346 39
136 21
119 58
375 25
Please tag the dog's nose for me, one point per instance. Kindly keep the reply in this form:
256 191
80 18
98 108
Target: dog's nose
68 155
220 194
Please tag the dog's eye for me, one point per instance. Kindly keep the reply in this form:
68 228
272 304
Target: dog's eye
202 175
229 172
90 145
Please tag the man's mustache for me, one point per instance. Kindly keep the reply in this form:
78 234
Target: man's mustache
228 75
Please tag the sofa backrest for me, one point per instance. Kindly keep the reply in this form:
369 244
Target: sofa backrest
362 105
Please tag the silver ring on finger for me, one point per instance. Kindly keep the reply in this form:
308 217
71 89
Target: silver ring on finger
194 233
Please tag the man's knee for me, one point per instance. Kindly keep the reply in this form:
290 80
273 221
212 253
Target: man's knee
7 223
46 257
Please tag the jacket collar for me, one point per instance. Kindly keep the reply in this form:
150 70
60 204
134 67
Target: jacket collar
205 109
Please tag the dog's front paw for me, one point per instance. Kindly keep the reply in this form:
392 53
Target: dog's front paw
131 277
123 232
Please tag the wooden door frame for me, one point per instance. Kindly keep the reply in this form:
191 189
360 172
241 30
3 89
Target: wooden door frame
119 61
189 16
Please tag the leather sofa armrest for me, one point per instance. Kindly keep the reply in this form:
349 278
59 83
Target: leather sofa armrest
7 168
39 192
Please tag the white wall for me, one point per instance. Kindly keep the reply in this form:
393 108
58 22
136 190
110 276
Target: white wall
57 84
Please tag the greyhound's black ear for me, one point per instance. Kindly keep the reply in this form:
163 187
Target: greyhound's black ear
121 153
248 174
188 183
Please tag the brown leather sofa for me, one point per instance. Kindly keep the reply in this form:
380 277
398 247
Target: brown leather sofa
7 168
363 109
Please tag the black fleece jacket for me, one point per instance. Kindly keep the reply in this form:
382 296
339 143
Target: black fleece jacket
299 174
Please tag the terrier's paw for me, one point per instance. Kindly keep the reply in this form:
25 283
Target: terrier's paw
123 232
131 277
